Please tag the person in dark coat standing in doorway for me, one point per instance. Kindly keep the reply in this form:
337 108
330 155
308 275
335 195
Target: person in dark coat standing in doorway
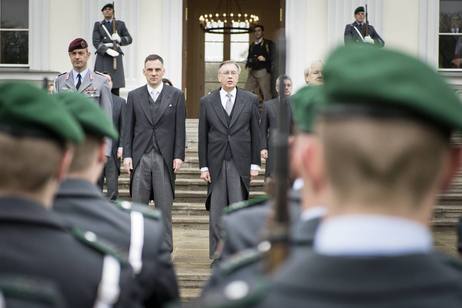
154 140
108 36
229 146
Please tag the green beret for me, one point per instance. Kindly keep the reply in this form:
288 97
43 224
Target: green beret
359 9
304 104
26 110
386 79
88 114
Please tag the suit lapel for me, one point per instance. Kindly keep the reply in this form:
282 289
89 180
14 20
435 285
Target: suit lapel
220 111
165 95
238 106
144 103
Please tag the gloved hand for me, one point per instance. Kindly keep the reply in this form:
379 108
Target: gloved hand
112 52
116 37
369 40
109 44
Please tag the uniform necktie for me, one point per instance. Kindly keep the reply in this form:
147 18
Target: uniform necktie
229 104
79 81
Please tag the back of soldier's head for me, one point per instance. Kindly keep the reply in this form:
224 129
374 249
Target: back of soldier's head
385 125
34 134
95 124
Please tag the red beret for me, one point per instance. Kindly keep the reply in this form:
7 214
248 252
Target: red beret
78 43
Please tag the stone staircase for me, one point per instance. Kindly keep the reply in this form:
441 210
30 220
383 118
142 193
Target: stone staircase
190 219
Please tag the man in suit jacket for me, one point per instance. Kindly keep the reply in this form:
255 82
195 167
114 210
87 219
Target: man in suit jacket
111 170
138 234
269 121
83 80
361 32
108 37
229 146
154 139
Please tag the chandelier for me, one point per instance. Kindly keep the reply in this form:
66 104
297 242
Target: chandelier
226 21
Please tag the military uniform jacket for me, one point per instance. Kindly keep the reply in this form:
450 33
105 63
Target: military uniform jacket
34 243
95 86
408 281
167 125
352 36
218 131
80 203
104 62
269 119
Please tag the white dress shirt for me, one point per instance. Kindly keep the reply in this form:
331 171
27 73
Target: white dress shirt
224 99
155 92
82 73
371 235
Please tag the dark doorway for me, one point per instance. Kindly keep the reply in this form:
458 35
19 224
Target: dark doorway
203 52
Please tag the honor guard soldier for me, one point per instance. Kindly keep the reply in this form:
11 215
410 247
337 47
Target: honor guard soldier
360 31
384 153
36 133
108 37
83 80
136 231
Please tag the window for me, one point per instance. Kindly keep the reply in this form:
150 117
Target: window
220 47
450 35
14 32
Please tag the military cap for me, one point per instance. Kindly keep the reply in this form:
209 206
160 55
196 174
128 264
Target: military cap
359 9
304 104
78 43
26 110
109 5
385 80
88 114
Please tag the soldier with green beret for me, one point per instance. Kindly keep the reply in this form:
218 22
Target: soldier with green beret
137 234
36 137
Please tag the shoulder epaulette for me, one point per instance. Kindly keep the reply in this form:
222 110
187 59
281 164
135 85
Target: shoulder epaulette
143 209
244 258
30 290
62 74
237 293
260 200
91 240
99 73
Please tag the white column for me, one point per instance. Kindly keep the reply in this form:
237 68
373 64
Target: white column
172 39
428 30
38 35
341 12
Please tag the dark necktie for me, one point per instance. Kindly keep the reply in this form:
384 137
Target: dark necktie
79 81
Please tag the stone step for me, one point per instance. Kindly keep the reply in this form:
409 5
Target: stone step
188 294
196 222
188 209
189 173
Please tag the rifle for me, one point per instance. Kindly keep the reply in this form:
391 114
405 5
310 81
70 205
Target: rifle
114 30
367 22
278 227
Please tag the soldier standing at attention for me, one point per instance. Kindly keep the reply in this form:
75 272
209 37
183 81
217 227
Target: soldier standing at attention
108 35
361 32
259 63
83 80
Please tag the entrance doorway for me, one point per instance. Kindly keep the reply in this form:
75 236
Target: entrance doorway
203 52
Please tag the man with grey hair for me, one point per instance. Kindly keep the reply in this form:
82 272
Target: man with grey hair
229 145
313 74
269 121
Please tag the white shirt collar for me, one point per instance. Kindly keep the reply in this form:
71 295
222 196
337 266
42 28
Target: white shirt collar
156 90
298 184
82 73
371 235
259 41
224 98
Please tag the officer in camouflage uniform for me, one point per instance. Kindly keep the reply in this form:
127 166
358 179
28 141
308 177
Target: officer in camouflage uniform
136 232
36 133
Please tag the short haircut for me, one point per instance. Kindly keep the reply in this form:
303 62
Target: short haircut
284 77
28 164
154 57
230 62
85 153
259 26
308 69
369 160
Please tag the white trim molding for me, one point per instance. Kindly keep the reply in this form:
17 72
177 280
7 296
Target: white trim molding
38 35
428 31
341 13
